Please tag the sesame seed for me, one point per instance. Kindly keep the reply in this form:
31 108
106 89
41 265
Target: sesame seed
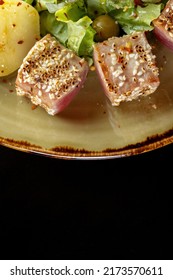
121 84
39 93
134 72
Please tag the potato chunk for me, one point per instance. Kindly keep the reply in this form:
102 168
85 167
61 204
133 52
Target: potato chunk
19 31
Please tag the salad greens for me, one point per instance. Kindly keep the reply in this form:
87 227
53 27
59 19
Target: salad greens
70 21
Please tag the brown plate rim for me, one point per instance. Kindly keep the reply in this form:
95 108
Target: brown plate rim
62 152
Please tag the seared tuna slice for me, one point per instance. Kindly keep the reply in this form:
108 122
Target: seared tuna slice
126 67
163 25
51 75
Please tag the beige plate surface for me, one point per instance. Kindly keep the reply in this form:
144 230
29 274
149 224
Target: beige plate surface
90 128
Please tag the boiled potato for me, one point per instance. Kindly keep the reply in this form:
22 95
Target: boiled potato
19 30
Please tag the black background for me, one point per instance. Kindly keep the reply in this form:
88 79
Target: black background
86 209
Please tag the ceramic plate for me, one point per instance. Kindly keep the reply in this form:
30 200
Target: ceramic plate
90 127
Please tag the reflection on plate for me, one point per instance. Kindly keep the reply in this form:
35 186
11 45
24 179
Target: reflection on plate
90 127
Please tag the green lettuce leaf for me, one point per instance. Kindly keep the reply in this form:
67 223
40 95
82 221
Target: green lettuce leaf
81 36
137 18
70 21
70 11
41 5
49 24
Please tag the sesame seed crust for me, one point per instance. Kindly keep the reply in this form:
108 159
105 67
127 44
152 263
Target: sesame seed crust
49 73
126 67
163 25
166 18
